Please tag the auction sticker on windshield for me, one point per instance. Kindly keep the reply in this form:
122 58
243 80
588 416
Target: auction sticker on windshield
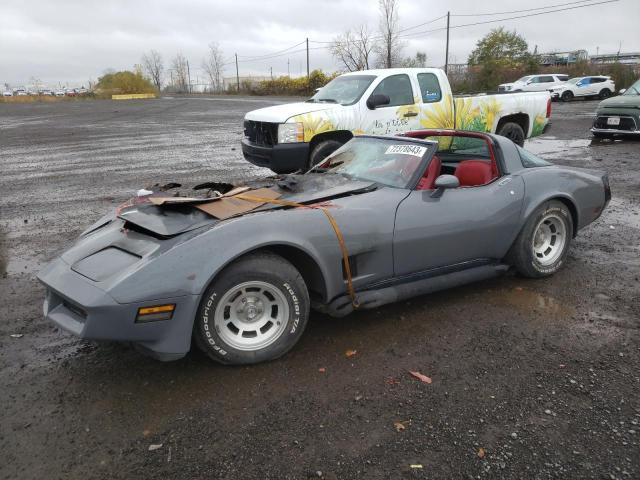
415 150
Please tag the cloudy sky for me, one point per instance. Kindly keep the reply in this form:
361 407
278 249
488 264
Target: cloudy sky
72 41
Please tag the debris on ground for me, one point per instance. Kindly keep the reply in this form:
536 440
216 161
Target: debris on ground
16 335
155 446
420 376
481 452
350 353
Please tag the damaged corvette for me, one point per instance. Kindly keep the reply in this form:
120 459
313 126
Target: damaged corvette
237 268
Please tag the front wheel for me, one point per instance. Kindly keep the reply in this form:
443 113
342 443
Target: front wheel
322 150
566 96
256 310
542 245
513 132
604 93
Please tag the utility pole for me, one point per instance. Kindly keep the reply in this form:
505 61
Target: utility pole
237 75
446 55
288 72
189 77
271 70
307 59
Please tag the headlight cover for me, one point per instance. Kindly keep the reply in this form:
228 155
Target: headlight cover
290 132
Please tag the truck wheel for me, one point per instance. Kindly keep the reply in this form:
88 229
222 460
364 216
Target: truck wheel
256 310
604 93
322 150
543 243
513 132
566 96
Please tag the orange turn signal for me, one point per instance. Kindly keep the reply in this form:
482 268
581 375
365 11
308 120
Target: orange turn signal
157 312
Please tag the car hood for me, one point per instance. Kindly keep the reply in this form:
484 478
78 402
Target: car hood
170 220
282 113
623 101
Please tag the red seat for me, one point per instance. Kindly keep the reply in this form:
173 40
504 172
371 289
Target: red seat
472 173
429 178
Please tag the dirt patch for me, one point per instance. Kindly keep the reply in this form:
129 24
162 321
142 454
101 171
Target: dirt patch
540 375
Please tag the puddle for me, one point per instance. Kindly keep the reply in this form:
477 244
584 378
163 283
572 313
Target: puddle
551 147
528 300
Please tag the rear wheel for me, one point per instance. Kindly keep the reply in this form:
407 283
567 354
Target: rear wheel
322 150
513 132
566 96
604 93
542 245
256 310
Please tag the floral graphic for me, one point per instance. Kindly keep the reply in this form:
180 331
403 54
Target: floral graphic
314 124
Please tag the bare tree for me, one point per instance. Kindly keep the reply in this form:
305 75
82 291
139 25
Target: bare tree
353 48
420 60
154 67
179 67
213 64
390 48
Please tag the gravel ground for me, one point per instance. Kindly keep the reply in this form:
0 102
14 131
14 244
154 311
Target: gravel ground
531 379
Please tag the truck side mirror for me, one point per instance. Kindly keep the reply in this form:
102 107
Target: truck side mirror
622 90
444 182
377 100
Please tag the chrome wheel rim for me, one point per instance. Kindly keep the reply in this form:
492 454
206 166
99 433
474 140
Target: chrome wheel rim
251 315
549 239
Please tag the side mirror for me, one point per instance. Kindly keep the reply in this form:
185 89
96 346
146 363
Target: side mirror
377 100
622 90
444 182
316 90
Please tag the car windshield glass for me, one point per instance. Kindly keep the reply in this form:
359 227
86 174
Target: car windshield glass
633 89
524 79
345 90
450 147
574 80
392 162
529 160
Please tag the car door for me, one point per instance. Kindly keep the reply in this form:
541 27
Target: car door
583 87
545 82
401 114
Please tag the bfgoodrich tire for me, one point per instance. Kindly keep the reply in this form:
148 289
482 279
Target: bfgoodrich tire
513 132
542 245
256 310
322 150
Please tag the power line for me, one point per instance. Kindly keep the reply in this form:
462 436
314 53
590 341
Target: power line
517 11
256 57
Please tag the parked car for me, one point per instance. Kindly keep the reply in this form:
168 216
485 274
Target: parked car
46 92
70 92
7 93
619 115
593 86
20 92
385 219
59 93
295 136
534 83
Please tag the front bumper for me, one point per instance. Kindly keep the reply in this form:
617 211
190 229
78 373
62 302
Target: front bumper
77 305
628 125
283 158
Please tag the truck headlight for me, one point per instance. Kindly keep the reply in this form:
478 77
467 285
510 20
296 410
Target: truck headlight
290 132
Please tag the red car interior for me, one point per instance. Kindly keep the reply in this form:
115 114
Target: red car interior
472 173
429 178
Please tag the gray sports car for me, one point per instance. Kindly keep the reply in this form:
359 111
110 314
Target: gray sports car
380 220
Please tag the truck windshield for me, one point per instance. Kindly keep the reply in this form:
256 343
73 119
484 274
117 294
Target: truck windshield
524 79
633 89
345 90
393 162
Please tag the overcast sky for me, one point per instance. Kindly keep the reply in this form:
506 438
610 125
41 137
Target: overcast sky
72 41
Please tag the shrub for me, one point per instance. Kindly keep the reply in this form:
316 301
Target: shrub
122 83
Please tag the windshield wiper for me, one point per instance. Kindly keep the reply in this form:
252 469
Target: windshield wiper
311 100
328 100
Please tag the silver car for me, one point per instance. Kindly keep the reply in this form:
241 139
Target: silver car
380 220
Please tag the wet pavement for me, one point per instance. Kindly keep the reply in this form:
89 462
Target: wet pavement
531 379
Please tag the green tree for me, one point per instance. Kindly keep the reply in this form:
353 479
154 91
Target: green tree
500 47
123 82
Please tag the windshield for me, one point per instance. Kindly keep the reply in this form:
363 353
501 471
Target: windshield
393 162
633 89
574 80
345 90
524 79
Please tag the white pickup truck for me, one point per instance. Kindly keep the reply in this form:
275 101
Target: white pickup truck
296 136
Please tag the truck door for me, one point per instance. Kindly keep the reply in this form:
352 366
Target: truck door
401 114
